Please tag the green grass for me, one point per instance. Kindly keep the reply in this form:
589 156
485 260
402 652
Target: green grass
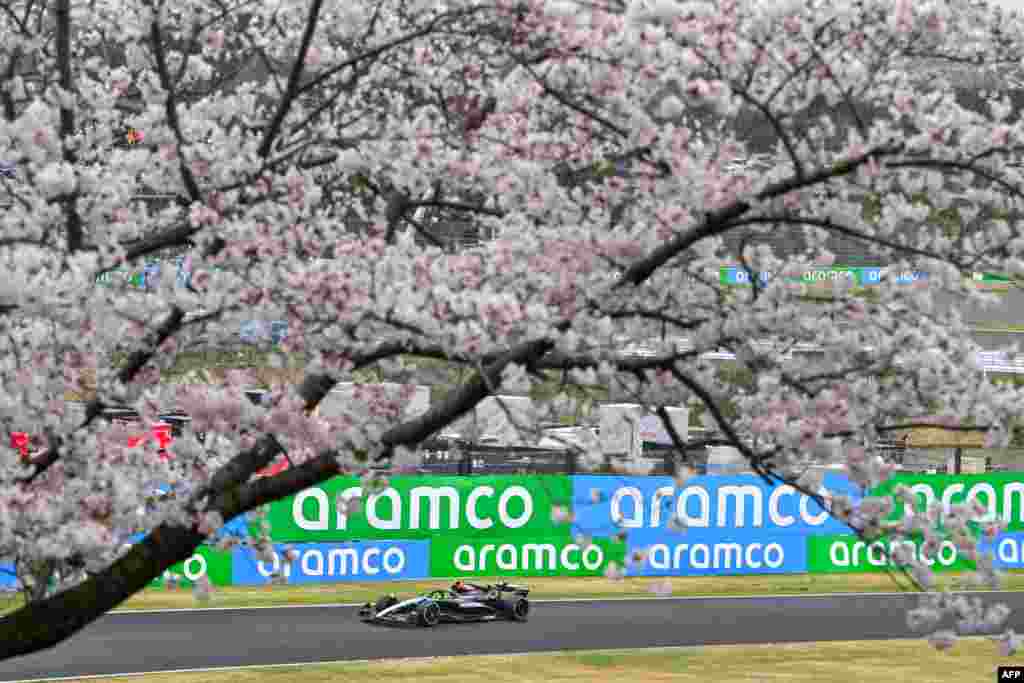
973 659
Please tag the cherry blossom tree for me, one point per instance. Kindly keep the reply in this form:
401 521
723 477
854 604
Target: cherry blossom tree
312 156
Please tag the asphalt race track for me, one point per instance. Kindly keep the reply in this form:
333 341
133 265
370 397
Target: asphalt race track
151 641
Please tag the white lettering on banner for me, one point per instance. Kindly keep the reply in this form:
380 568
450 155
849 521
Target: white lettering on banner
336 564
193 575
925 491
307 564
637 520
947 561
983 492
727 554
805 514
990 494
320 522
540 553
740 493
394 561
842 554
566 560
947 496
774 549
1008 490
339 562
472 516
1009 550
596 556
716 556
746 499
436 498
506 559
524 517
460 558
346 496
367 567
776 517
703 498
665 492
373 517
529 556
261 567
433 496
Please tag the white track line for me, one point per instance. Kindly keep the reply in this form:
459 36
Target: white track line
639 598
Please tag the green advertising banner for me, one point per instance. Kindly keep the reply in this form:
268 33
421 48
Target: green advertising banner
540 556
841 554
1002 493
427 507
213 563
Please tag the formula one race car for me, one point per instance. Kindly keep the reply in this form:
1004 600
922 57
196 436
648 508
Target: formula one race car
464 602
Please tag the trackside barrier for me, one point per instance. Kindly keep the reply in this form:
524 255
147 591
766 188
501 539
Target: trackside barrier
559 525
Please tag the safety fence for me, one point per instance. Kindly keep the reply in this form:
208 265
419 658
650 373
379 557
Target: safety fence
558 525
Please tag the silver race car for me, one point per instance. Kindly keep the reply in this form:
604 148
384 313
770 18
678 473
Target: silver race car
463 602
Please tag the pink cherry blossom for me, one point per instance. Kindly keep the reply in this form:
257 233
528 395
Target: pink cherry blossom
200 168
168 152
594 181
215 40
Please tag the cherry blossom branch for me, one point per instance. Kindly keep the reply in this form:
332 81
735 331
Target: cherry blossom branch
722 219
893 572
171 105
292 89
712 405
380 49
171 324
45 623
829 224
959 166
75 236
457 206
677 441
759 466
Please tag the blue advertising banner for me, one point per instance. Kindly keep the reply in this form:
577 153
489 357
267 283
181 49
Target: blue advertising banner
714 525
336 562
726 506
8 577
1007 550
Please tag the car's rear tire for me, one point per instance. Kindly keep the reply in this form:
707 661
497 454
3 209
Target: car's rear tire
429 614
517 609
384 603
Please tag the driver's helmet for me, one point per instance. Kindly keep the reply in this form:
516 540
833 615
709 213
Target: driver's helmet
460 587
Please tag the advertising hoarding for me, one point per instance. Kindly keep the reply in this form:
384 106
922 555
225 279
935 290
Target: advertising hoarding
335 562
515 556
1000 493
426 507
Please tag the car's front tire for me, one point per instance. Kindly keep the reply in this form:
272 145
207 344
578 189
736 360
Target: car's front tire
429 614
